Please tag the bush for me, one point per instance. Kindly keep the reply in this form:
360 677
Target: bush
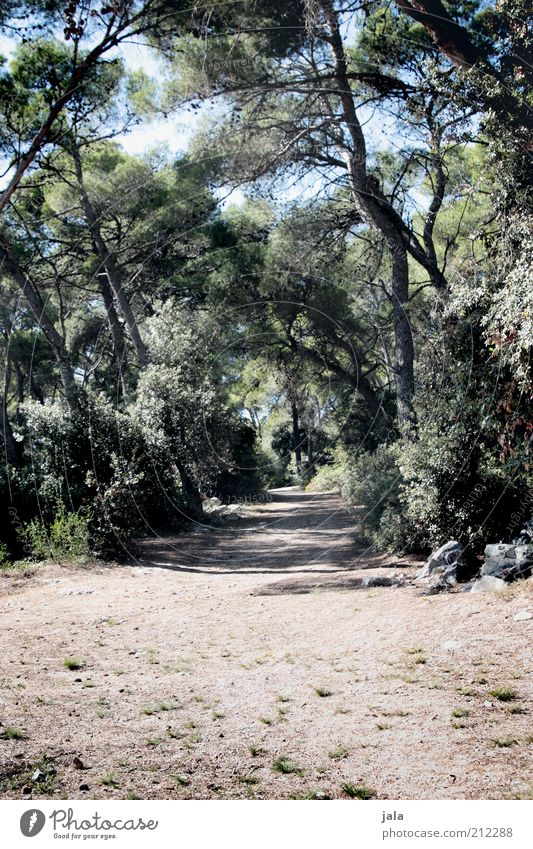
372 481
66 538
332 476
5 559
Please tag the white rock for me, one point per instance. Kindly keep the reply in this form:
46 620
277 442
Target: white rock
451 645
522 616
488 584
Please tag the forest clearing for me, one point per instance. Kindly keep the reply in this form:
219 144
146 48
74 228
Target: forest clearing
239 663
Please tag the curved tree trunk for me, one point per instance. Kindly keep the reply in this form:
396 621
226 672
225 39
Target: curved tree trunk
374 210
109 264
33 297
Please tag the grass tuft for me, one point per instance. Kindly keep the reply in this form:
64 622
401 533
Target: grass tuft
323 692
358 791
110 779
286 766
73 663
10 732
459 712
505 742
504 694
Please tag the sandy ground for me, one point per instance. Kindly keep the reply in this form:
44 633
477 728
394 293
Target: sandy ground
225 655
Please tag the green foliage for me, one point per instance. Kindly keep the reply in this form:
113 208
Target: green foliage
66 538
328 478
5 559
372 484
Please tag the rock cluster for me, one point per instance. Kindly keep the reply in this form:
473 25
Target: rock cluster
504 562
508 562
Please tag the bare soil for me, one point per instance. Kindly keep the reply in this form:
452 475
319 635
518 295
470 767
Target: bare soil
220 657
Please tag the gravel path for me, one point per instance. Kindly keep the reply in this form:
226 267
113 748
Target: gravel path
241 662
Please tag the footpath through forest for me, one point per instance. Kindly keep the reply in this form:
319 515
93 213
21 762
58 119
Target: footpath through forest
248 661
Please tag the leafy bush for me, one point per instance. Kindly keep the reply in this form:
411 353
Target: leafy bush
5 559
331 476
372 481
66 538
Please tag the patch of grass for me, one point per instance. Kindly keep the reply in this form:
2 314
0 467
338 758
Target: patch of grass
266 720
249 780
338 753
282 714
40 776
323 692
525 794
88 684
45 776
383 726
358 791
73 663
286 766
505 742
398 712
175 733
11 732
181 780
283 699
311 795
459 712
516 708
466 691
256 751
415 650
150 710
152 655
110 779
153 741
458 723
218 714
132 795
192 740
504 694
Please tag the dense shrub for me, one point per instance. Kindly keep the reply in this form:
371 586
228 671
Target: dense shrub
65 538
332 476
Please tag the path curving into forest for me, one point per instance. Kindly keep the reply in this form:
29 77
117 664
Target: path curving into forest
222 653
292 531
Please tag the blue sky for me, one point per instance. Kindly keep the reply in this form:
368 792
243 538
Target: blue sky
176 131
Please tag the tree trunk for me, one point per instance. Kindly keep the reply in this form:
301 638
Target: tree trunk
310 453
119 343
12 448
193 497
374 210
296 437
33 296
109 264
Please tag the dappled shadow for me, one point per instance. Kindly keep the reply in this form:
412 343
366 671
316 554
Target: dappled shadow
294 532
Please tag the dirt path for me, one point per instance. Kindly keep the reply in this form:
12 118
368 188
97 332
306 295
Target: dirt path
229 654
